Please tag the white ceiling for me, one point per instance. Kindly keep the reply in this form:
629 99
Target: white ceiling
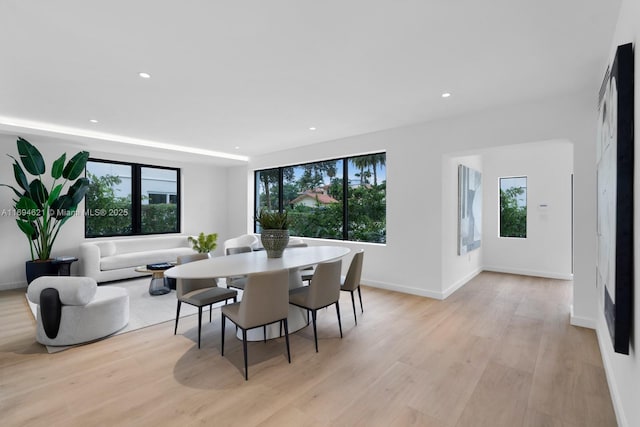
258 73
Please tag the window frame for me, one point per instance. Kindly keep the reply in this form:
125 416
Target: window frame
345 190
526 198
136 198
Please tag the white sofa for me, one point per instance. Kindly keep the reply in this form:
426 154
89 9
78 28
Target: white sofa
107 260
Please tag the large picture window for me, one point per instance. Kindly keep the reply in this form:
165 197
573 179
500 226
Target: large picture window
342 199
129 199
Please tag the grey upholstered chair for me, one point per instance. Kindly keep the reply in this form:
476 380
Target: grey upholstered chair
237 282
200 292
323 291
351 282
265 301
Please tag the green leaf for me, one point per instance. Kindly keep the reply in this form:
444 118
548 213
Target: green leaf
75 166
20 176
27 209
58 166
28 229
78 190
19 194
38 192
31 157
61 206
54 194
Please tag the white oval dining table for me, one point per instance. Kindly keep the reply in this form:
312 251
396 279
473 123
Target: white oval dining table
243 264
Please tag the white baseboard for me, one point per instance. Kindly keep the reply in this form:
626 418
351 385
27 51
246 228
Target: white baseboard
403 289
524 272
12 285
603 339
460 283
583 322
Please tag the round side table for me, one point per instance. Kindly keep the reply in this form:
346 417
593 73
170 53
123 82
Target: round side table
159 284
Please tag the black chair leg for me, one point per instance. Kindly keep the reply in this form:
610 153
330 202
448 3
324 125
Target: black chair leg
175 330
244 349
315 333
360 296
222 321
286 337
199 324
353 303
339 321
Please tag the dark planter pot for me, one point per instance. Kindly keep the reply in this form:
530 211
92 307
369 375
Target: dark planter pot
39 268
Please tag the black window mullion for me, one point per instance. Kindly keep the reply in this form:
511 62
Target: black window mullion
345 199
136 199
281 189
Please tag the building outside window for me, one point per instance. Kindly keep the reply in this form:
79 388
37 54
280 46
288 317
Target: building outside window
130 199
321 203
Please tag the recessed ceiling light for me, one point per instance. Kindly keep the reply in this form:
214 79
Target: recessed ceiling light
446 95
93 120
145 75
312 128
236 147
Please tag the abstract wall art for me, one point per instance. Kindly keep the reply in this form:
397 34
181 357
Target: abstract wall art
469 209
615 157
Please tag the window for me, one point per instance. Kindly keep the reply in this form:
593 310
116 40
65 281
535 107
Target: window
342 199
129 199
513 207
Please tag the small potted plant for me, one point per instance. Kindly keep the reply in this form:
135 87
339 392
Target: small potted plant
204 243
274 232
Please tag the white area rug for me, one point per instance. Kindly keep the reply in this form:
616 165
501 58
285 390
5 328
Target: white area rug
144 309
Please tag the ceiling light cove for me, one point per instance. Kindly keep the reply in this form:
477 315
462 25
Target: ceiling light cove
145 75
446 95
16 125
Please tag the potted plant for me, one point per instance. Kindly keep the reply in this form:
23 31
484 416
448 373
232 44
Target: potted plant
41 212
204 244
274 232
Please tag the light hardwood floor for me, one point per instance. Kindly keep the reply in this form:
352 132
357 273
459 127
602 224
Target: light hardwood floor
498 352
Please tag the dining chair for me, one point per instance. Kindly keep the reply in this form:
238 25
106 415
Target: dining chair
237 282
351 282
265 301
323 291
200 292
305 273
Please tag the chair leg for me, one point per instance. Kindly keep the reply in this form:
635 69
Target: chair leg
315 333
264 331
360 296
199 324
244 349
222 321
339 321
353 303
175 330
286 337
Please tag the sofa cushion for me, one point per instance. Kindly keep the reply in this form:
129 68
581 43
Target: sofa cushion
126 246
144 257
107 248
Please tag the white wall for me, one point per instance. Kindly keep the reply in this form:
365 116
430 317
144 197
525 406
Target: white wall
457 269
412 260
546 251
203 203
623 372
